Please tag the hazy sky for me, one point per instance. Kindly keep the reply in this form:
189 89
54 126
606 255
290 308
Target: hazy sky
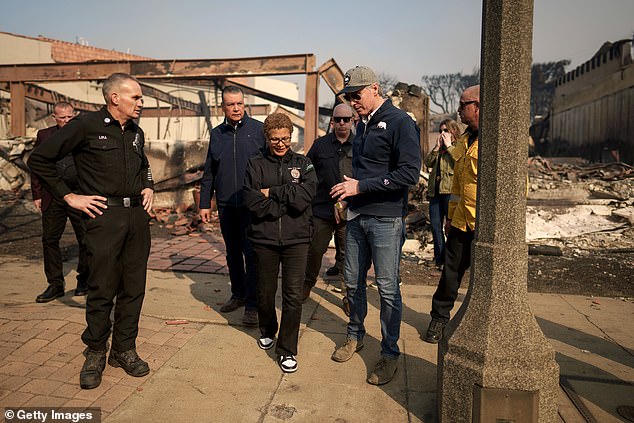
404 38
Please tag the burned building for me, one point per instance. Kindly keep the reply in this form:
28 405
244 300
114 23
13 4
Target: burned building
593 109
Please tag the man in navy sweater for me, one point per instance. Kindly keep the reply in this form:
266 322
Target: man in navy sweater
232 144
385 162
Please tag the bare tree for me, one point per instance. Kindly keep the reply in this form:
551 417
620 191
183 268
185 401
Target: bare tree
387 81
543 80
444 90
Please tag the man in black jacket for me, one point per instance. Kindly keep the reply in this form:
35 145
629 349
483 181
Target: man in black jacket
116 194
232 144
386 162
55 213
332 157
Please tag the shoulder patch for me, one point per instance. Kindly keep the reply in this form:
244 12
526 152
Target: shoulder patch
309 167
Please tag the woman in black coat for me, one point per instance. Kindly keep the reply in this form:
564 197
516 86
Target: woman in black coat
278 191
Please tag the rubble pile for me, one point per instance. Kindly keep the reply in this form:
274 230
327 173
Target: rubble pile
183 220
14 173
580 207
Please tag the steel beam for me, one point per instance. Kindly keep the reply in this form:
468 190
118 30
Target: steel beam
47 96
164 112
311 109
150 91
18 109
152 69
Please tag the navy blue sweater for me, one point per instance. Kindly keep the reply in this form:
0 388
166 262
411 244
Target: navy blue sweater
229 152
386 161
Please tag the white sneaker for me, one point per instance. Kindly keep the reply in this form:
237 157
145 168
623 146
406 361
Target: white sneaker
288 363
265 343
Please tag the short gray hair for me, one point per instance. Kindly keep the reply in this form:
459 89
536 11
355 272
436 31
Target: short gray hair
113 83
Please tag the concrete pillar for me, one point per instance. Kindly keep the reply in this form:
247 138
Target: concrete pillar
495 363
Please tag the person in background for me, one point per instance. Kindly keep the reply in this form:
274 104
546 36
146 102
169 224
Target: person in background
332 157
460 226
440 161
232 144
278 190
55 213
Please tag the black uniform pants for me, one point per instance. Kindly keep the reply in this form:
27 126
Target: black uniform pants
234 222
118 244
457 261
319 244
53 225
293 261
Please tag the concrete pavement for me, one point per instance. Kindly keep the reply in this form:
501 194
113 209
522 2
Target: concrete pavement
210 368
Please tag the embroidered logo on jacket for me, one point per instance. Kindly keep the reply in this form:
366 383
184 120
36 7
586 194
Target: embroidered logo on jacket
386 182
103 137
295 174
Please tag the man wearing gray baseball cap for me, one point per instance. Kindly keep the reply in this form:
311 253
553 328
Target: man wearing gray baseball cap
385 163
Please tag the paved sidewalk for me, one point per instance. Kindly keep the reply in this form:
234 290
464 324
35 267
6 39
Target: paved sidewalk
210 369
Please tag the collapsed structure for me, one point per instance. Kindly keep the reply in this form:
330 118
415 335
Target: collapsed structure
182 100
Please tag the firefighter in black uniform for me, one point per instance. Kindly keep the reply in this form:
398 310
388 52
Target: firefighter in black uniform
115 195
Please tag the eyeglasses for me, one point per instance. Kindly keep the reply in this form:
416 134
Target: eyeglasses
443 130
464 104
284 140
339 119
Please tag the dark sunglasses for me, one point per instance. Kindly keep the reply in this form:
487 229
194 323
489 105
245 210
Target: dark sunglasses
356 96
464 104
339 119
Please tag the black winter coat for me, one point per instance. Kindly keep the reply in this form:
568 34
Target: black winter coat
284 217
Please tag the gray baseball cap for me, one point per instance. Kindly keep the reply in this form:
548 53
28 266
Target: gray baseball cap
358 78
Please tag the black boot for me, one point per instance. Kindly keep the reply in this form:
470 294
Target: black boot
81 290
53 291
129 361
90 375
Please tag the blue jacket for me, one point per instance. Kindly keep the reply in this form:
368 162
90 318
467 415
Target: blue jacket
386 161
226 165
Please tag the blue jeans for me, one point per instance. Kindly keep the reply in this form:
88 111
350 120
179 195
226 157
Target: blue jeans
374 239
438 210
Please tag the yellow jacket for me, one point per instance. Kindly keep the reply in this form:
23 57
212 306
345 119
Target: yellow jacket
462 204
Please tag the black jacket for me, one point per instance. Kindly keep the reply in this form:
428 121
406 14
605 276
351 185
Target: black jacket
386 161
109 161
284 217
332 160
229 151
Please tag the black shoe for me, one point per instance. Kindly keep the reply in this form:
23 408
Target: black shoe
129 361
81 290
434 332
333 271
250 318
90 375
52 292
231 305
288 363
